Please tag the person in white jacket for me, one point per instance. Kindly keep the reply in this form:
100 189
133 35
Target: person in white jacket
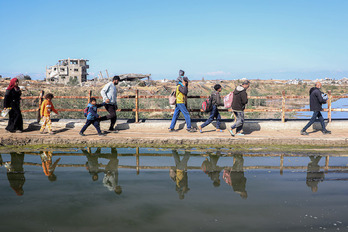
109 94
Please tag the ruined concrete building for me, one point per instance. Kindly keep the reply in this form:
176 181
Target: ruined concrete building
68 70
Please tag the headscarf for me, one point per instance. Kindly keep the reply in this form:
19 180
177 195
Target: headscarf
12 84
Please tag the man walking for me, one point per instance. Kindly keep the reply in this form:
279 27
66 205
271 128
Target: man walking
109 94
181 96
315 103
240 99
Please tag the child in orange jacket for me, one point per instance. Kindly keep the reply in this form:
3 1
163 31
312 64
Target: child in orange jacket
45 112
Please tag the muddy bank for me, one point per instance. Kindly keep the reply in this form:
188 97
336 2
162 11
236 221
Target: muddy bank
23 141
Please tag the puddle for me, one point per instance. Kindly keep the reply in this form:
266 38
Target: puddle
147 189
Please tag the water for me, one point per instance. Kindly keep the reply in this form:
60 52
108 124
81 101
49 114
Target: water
339 104
130 189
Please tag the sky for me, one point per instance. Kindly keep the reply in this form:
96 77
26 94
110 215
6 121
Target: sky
278 39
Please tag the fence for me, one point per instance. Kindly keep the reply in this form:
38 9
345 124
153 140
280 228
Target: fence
137 110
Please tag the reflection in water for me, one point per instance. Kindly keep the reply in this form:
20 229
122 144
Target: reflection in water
234 176
47 166
92 164
314 175
15 172
210 167
110 180
179 174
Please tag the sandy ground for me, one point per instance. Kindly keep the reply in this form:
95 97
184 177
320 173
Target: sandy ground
154 135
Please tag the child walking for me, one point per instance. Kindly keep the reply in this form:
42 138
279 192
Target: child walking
92 117
45 112
215 101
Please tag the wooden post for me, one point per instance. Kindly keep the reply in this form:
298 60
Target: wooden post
281 164
40 102
137 158
283 106
329 105
89 96
327 163
137 106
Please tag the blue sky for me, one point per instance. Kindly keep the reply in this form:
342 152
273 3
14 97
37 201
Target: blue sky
277 39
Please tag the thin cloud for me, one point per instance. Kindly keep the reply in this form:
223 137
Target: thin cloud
218 73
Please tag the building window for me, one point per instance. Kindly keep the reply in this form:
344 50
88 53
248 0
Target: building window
76 70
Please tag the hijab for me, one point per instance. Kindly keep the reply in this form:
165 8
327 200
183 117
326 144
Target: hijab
12 84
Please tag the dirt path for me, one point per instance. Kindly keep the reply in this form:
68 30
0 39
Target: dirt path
157 137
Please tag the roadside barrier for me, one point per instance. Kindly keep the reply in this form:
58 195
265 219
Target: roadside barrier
282 109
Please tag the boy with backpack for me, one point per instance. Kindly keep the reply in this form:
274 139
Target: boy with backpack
215 101
45 112
92 117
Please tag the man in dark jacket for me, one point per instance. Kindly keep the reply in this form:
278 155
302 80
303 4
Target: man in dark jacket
315 102
240 99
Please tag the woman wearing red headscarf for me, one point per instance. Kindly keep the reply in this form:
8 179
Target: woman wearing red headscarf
12 100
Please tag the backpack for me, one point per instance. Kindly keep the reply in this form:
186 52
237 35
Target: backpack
207 105
172 98
228 99
85 111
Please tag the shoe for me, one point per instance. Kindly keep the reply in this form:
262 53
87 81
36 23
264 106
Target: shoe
82 134
51 133
231 132
200 129
19 131
171 130
191 130
326 132
304 132
113 131
219 130
239 134
101 135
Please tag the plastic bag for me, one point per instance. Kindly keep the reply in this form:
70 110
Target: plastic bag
5 112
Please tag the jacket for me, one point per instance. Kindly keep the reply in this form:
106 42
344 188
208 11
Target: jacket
181 93
12 98
240 99
92 111
216 99
46 108
315 99
109 91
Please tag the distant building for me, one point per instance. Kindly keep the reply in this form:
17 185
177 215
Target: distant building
73 70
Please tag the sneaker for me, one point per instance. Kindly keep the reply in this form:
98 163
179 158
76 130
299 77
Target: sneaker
219 130
191 130
200 129
171 130
19 131
326 132
239 134
231 132
82 134
101 134
304 132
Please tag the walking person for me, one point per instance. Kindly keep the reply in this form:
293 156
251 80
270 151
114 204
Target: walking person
315 103
12 101
92 117
240 99
109 94
45 112
215 101
181 99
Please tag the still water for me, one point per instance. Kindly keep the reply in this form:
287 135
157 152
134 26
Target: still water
145 189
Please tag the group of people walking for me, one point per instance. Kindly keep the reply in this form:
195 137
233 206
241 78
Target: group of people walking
109 95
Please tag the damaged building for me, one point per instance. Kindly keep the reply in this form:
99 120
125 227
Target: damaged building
68 70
